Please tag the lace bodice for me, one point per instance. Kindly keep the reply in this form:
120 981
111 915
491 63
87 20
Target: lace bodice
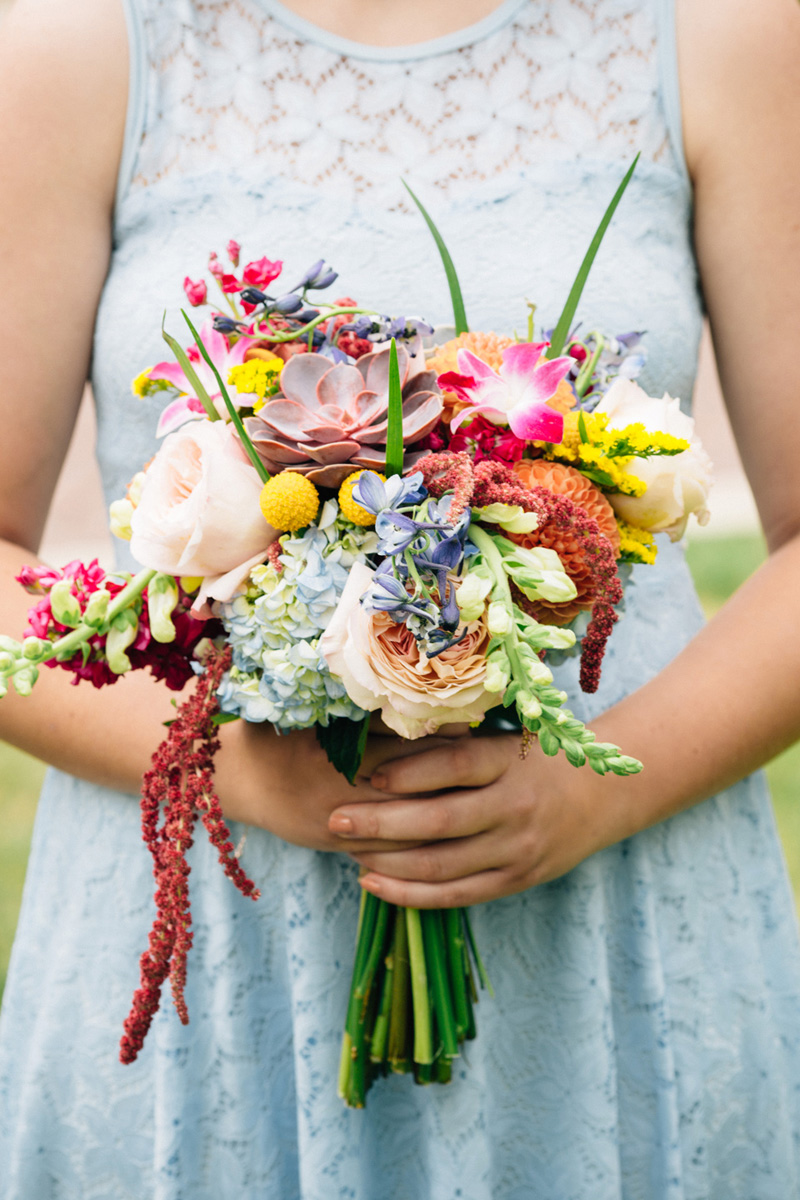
248 82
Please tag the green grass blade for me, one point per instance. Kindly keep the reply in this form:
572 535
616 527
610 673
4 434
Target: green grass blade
190 373
459 313
263 473
394 432
564 324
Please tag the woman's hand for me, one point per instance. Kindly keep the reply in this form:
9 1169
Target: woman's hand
503 824
284 783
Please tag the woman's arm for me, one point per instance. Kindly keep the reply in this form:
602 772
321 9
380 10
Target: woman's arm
731 700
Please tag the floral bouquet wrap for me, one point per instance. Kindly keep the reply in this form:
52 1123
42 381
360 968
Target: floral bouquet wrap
352 515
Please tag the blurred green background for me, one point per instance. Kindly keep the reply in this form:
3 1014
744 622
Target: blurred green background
719 566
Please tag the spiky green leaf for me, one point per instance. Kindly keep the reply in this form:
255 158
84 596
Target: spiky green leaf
233 412
190 373
564 323
459 312
394 432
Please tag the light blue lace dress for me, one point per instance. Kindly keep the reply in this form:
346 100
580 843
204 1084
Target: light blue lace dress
643 1039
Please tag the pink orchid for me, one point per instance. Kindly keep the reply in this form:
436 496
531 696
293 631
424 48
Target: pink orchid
260 274
196 292
188 405
514 396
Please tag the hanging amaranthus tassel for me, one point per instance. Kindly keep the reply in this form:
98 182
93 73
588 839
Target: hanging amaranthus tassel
180 779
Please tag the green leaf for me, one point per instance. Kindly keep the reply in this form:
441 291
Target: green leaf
394 433
344 741
222 718
564 323
459 313
190 373
263 473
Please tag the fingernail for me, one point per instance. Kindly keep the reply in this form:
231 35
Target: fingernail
341 825
371 883
378 780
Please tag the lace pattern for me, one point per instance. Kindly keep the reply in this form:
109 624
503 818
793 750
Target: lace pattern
230 81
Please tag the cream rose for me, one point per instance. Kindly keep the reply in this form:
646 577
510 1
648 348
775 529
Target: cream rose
198 514
382 668
677 485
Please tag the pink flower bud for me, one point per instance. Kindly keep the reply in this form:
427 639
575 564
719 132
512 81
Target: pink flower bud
234 250
196 292
215 266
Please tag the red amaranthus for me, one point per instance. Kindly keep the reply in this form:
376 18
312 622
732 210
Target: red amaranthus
491 482
180 779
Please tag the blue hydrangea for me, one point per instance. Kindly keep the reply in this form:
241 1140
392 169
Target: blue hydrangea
274 628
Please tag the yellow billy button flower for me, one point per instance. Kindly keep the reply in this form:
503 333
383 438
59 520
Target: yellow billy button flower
289 501
352 511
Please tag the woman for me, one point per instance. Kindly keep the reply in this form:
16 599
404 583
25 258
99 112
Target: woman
643 1037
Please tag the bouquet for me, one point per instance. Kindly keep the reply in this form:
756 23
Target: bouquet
353 516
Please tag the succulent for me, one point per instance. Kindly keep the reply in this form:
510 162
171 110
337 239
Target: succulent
331 420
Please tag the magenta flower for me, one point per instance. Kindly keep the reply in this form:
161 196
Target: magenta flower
188 405
514 396
260 274
196 292
234 250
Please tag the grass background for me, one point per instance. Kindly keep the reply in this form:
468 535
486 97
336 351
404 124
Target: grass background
719 565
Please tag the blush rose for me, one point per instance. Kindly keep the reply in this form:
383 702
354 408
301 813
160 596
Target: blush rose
382 667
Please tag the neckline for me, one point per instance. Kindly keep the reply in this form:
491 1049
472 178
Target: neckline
309 32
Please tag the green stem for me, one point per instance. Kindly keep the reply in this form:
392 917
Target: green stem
584 378
364 947
401 982
296 334
423 1038
454 937
437 965
380 1033
77 637
484 978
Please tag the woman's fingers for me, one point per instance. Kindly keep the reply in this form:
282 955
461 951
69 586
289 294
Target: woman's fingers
457 815
456 893
459 763
436 862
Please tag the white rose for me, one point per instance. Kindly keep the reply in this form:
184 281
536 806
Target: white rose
199 511
677 485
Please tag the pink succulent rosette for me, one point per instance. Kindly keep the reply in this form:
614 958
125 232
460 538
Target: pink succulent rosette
515 395
333 420
383 668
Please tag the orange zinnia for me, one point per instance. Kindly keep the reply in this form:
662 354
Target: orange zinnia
566 481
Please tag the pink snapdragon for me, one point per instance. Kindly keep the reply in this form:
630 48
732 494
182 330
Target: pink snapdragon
516 395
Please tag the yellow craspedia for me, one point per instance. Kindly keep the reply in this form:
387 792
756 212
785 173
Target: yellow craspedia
352 511
289 501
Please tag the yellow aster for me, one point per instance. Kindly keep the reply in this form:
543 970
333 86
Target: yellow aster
289 501
349 508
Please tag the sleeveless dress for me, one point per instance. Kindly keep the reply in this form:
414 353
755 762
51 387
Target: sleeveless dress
642 1043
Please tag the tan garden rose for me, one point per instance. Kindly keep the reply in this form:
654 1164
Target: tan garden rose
382 667
198 514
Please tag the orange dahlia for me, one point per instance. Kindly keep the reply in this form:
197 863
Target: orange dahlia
488 347
566 481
